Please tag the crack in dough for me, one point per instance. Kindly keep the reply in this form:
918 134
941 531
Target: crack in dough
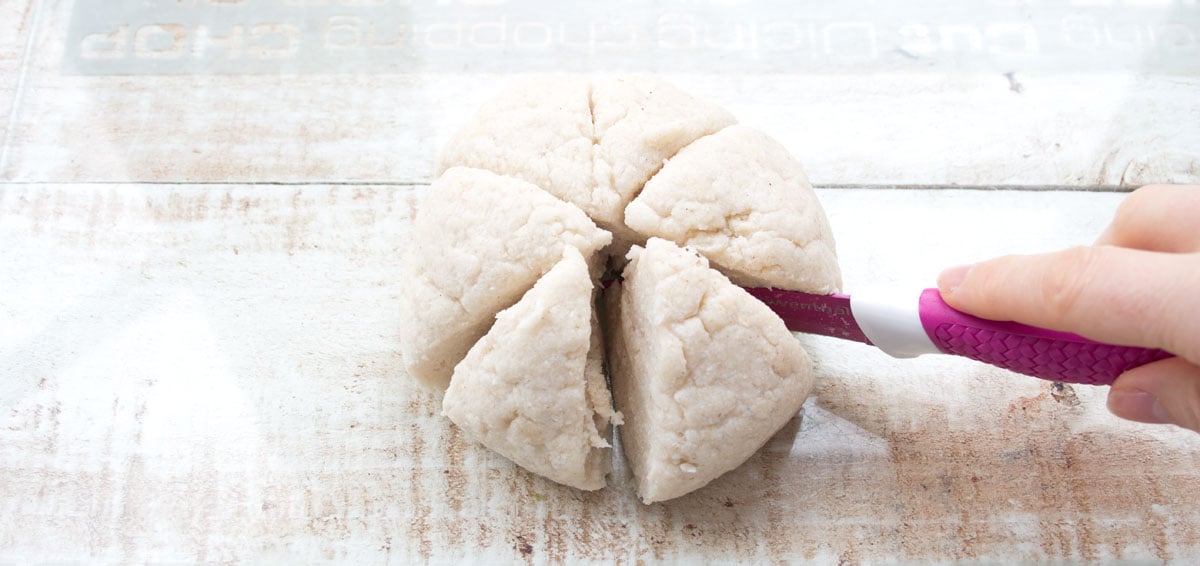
480 241
537 129
593 144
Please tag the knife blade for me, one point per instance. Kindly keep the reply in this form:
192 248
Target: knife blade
908 325
827 315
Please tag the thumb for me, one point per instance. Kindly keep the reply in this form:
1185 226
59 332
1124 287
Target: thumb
1166 391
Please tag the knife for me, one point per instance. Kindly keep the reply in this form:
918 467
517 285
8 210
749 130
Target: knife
908 326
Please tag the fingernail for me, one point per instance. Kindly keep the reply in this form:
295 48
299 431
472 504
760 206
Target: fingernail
951 278
1137 405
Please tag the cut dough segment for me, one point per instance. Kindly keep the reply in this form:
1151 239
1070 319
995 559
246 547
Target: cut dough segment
703 372
478 242
533 388
740 199
538 129
640 121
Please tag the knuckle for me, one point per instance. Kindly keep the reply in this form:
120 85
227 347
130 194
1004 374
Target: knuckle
1191 416
1154 190
1131 209
1145 195
1066 283
1188 415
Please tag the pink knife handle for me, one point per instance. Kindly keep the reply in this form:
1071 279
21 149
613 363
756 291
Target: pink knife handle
1047 354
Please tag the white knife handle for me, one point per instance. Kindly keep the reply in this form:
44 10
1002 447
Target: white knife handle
891 320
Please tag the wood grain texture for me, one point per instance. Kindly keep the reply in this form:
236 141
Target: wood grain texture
941 126
209 373
18 17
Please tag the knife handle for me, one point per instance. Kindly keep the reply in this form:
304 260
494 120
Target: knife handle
1042 353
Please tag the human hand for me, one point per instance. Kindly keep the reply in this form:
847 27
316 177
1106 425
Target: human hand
1138 285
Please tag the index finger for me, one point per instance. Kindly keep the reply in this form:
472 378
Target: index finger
1106 293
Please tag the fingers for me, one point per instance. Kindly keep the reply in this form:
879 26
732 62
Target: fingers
1137 287
1166 391
1163 218
1117 295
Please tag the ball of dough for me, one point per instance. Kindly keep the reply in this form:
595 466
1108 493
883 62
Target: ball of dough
478 242
533 387
544 175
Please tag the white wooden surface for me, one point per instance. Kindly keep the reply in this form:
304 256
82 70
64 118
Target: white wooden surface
197 353
926 124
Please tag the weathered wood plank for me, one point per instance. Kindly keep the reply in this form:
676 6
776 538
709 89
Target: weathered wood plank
947 113
17 16
209 373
